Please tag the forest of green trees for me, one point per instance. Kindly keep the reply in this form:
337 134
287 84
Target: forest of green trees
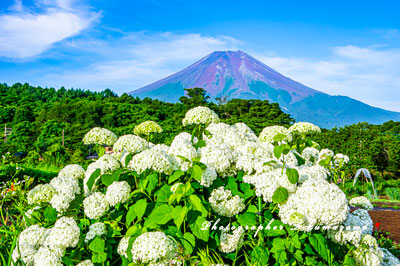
38 116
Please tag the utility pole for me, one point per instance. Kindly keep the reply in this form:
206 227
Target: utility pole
63 138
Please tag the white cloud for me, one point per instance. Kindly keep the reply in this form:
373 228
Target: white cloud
371 75
138 59
26 33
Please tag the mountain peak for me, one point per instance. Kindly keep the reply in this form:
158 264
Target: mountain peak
235 74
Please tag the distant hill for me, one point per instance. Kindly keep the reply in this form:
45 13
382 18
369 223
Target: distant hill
232 74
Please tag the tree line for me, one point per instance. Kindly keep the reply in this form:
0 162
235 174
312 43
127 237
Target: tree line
38 116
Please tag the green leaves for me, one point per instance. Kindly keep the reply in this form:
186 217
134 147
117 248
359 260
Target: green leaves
281 149
50 214
196 202
247 218
320 244
136 210
196 227
293 175
97 246
175 176
179 215
161 214
197 172
189 242
92 179
109 179
281 194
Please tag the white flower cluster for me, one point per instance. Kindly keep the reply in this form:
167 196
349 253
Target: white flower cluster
66 188
231 242
147 127
40 193
224 203
200 115
61 190
106 163
275 133
356 225
95 205
361 202
40 246
340 160
310 155
96 229
85 263
220 157
73 170
389 259
101 136
183 150
316 203
130 143
152 248
304 128
325 154
368 253
208 177
118 192
267 182
155 159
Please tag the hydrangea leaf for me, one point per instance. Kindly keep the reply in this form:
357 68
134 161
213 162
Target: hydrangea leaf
281 194
293 175
161 214
176 175
92 179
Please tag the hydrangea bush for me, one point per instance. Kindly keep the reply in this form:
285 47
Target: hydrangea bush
219 196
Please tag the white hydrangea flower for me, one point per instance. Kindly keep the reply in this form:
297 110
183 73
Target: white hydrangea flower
325 153
147 127
85 263
66 188
231 242
41 193
218 156
46 257
184 137
310 155
72 170
267 182
315 203
245 132
106 163
224 203
208 177
96 229
64 234
95 206
304 128
123 246
183 149
361 202
130 143
225 134
118 192
155 159
100 136
28 243
316 172
340 160
353 229
269 134
368 253
389 259
155 248
200 115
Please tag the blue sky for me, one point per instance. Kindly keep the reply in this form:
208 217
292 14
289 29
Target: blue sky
347 48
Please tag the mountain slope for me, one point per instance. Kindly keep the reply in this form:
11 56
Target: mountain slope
237 75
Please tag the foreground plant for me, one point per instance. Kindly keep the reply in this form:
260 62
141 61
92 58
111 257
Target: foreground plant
221 195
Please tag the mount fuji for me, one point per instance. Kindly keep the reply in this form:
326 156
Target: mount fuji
235 74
